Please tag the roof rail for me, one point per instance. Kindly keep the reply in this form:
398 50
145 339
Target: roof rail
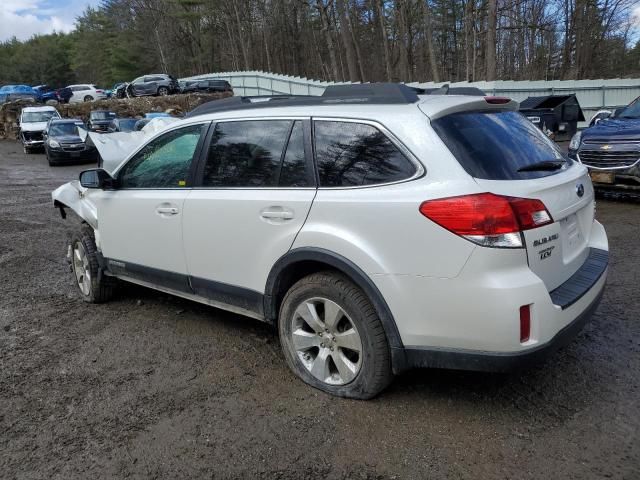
362 93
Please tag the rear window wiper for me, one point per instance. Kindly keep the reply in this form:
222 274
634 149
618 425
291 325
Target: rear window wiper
543 165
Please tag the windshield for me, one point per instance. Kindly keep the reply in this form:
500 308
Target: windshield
631 111
497 145
33 117
64 129
102 115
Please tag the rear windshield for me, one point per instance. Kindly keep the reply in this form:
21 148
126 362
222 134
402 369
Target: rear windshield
495 145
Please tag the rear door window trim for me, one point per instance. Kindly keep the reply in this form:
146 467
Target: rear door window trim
420 170
306 125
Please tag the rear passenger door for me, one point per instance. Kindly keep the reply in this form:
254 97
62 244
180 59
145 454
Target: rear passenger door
252 196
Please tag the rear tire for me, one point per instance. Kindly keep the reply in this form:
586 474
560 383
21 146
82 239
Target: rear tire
94 286
88 98
163 91
332 337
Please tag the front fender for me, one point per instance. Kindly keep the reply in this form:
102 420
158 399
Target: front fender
72 195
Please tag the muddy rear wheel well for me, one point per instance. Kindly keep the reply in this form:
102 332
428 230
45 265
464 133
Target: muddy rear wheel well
301 262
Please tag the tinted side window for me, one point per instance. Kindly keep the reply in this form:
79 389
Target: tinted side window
351 154
163 162
246 153
293 172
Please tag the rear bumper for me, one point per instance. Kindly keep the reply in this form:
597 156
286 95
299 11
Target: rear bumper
459 359
472 321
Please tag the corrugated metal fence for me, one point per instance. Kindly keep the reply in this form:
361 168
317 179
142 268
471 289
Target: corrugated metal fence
593 95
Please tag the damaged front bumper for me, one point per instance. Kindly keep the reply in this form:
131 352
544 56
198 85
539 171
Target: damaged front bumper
32 138
73 195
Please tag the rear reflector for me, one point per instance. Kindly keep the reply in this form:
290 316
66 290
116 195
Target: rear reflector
525 323
487 219
497 100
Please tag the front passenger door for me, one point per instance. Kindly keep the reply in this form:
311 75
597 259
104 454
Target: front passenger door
140 223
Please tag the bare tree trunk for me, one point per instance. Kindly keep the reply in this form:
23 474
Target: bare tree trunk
357 48
243 46
324 18
162 58
379 9
402 32
428 31
490 55
347 41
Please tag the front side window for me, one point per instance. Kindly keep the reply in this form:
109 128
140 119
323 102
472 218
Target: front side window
353 154
246 153
293 172
163 162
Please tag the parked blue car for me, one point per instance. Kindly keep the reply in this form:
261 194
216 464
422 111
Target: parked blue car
45 93
9 93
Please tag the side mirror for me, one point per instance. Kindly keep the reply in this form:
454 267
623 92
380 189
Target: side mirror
97 178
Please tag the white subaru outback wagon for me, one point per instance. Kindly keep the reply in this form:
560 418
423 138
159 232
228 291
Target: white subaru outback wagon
379 229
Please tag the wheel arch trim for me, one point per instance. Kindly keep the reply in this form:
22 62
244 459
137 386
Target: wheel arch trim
344 265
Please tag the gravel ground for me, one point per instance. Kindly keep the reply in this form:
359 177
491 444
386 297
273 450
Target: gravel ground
151 386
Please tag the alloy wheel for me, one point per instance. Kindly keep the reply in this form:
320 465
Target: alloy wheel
81 268
326 341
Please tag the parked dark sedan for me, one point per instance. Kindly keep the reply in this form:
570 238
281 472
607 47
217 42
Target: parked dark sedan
122 125
66 142
207 86
99 120
611 150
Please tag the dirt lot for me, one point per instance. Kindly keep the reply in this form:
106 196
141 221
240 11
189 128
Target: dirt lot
150 386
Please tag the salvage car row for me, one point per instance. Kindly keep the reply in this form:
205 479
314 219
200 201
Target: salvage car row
66 140
157 84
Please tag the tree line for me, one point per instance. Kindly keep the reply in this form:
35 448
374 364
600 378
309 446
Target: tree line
357 40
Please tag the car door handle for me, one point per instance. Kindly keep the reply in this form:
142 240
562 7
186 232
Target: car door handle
167 211
277 213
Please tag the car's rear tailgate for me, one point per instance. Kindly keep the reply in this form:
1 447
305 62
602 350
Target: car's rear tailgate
557 250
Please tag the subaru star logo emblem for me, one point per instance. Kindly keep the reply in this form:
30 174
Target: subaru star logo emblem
580 189
605 147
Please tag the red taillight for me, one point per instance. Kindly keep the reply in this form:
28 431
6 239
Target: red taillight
487 219
497 100
525 323
99 91
531 213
